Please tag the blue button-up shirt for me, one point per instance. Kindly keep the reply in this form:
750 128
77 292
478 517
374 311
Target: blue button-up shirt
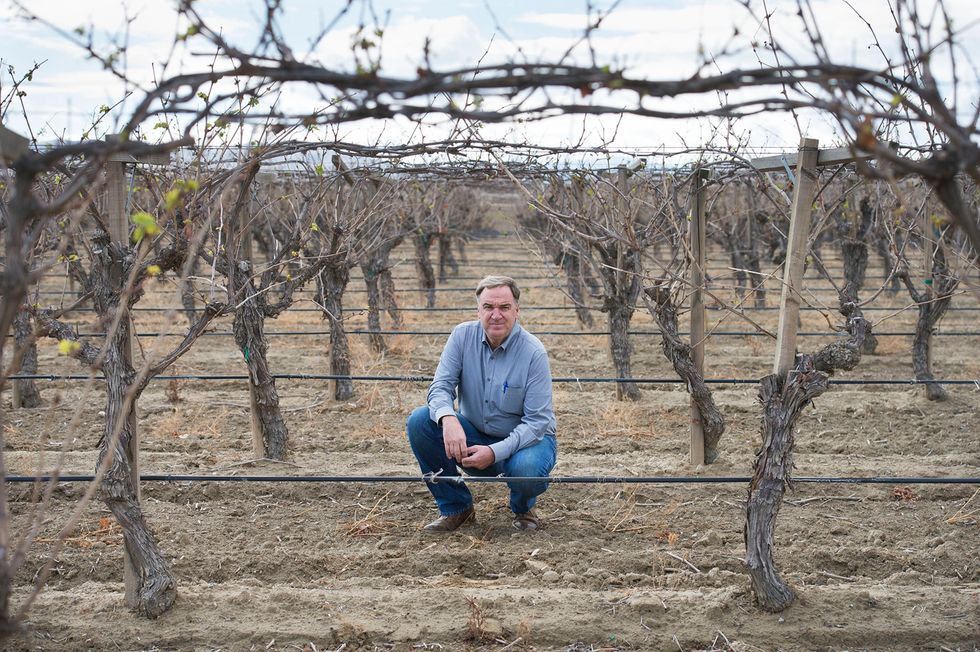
504 392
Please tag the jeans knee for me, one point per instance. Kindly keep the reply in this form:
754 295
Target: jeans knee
530 465
418 422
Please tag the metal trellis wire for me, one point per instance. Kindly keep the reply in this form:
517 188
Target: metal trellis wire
435 479
559 379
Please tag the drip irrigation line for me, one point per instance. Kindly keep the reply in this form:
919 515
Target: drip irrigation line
436 479
365 331
641 310
559 379
721 274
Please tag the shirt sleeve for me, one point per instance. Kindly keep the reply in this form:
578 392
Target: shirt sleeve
442 391
539 415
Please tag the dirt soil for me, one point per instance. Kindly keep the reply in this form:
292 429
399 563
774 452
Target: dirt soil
316 566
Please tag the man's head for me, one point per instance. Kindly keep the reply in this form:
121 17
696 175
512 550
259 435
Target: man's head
497 307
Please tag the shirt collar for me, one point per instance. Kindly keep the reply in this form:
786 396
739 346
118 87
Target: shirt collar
514 332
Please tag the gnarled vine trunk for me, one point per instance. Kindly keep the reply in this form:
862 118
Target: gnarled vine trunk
571 265
783 399
331 283
621 349
156 588
249 329
782 402
461 249
932 306
854 249
621 280
380 290
25 391
374 309
388 297
423 265
447 260
681 357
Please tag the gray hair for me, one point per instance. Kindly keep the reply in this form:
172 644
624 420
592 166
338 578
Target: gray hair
496 282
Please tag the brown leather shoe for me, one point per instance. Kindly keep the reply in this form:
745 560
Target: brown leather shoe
526 522
450 523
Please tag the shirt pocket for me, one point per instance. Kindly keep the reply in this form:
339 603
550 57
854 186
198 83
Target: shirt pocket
512 400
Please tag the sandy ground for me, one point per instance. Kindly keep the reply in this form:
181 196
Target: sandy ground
303 566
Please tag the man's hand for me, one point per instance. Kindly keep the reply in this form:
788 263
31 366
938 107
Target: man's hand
453 438
479 457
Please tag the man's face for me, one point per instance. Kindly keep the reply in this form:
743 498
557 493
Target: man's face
498 312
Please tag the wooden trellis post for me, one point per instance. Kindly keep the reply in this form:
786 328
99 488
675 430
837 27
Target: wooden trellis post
258 441
804 191
806 162
697 236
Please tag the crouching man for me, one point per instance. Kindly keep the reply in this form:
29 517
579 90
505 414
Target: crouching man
505 424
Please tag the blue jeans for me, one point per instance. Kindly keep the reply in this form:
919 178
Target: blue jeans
425 436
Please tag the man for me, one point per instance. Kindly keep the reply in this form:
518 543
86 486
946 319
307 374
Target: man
505 424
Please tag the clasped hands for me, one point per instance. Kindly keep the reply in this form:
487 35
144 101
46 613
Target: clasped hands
454 439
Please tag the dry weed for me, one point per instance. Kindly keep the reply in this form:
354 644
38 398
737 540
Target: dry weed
668 537
756 344
216 425
401 345
108 533
524 633
963 517
476 623
172 391
373 523
625 519
372 401
612 418
170 425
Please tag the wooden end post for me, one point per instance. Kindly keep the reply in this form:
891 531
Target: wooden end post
697 235
622 183
804 190
258 440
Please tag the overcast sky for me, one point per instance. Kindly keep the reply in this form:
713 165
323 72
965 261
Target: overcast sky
654 39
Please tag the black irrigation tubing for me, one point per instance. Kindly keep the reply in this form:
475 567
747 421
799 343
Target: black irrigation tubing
472 309
365 331
559 379
465 289
575 479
